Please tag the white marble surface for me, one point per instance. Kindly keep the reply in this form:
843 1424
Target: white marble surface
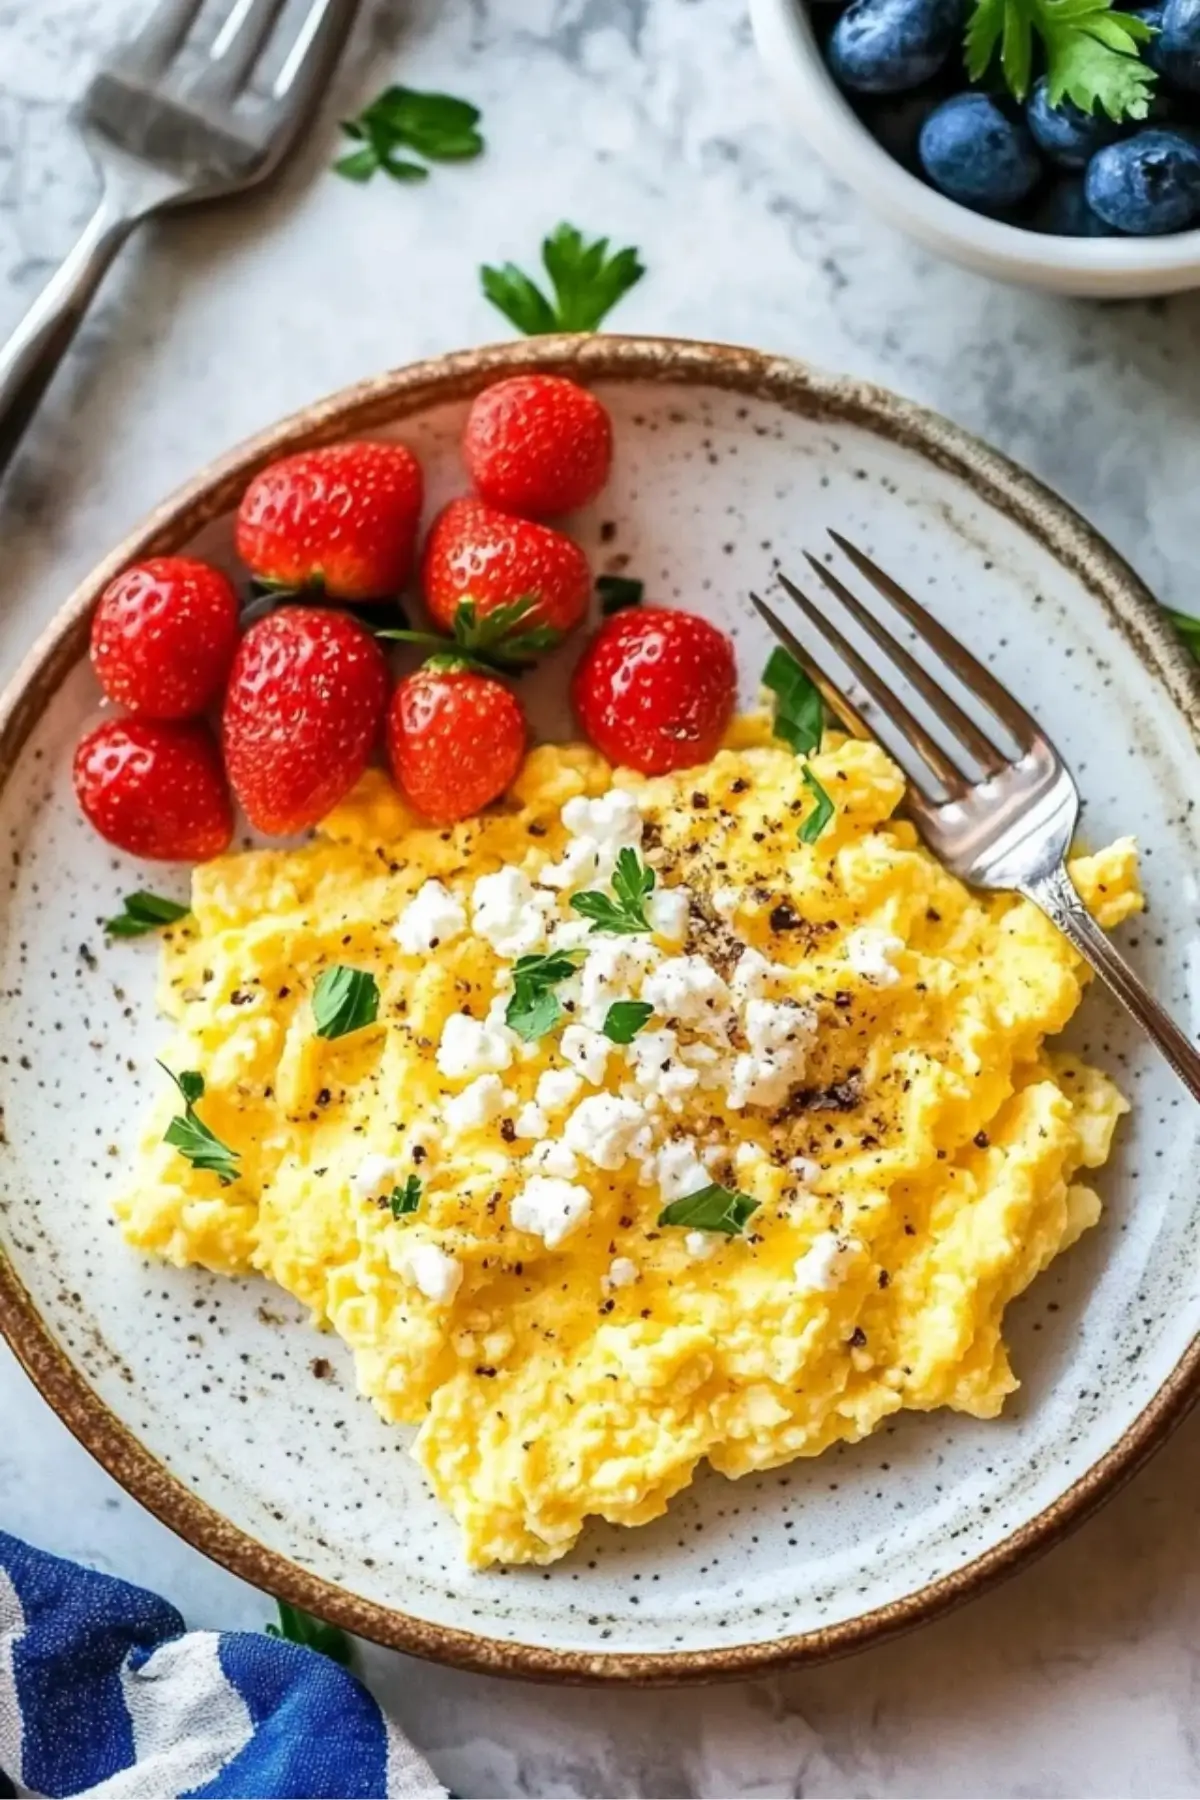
649 120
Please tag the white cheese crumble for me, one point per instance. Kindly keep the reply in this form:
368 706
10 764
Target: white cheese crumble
550 1208
372 1175
586 1051
804 1168
622 1272
607 1128
747 1155
614 970
429 1268
599 830
680 1170
870 954
478 1104
658 1069
475 1046
432 917
699 1245
554 1158
667 910
688 990
508 913
825 1263
725 902
531 1122
556 1089
779 1034
754 977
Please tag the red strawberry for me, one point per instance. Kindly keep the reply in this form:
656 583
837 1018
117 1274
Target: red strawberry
655 689
455 739
302 714
538 444
155 788
342 519
163 636
476 552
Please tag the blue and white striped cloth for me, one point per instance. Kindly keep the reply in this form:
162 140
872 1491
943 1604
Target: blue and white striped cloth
103 1693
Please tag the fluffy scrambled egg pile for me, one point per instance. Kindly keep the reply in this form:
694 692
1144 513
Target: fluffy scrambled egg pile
840 1032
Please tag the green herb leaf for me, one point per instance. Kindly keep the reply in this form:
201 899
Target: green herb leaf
301 1628
143 912
633 882
1188 629
711 1208
406 1199
192 1137
436 126
585 280
619 591
799 709
821 813
1091 52
344 1000
496 637
625 1019
534 1008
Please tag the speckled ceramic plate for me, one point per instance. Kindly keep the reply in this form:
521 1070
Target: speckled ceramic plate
203 1396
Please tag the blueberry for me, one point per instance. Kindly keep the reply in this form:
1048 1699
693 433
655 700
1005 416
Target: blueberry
976 154
1177 51
889 46
1147 184
1149 51
1065 132
1064 212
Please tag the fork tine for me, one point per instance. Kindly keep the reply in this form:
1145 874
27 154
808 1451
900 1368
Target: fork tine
160 37
887 704
315 49
938 700
957 658
236 49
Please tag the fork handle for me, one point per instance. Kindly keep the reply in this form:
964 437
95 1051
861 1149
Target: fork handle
1058 898
37 346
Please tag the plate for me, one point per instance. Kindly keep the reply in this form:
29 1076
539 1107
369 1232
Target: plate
216 1404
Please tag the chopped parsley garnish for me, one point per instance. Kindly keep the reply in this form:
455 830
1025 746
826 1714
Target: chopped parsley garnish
143 912
799 709
436 126
191 1136
619 591
821 813
493 640
301 1628
534 1008
1188 629
344 1000
585 280
625 1019
1091 52
711 1208
633 883
406 1199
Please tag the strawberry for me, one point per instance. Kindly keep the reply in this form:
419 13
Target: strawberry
655 689
342 519
163 636
455 739
476 553
538 444
155 788
302 713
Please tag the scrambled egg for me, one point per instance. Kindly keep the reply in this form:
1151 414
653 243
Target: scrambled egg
914 1152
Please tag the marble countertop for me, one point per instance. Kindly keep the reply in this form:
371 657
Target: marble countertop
651 121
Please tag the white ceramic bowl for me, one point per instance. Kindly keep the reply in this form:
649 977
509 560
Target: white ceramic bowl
1099 268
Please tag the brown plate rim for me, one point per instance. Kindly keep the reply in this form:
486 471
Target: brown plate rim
386 400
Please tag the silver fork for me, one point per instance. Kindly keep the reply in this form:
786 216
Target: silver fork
998 815
169 122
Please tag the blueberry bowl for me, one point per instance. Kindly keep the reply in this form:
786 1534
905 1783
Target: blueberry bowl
1046 195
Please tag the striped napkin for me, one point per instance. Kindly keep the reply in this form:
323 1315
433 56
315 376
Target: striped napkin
103 1693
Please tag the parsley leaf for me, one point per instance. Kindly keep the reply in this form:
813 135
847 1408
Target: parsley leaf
192 1137
344 1000
625 1019
1188 629
619 591
143 912
406 1199
799 709
821 813
711 1208
534 1008
632 883
585 280
1091 52
301 1628
436 126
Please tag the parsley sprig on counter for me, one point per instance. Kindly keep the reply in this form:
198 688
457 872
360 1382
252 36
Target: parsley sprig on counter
188 1133
632 884
301 1628
437 127
585 283
1091 52
143 912
711 1208
534 1008
800 723
344 1000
